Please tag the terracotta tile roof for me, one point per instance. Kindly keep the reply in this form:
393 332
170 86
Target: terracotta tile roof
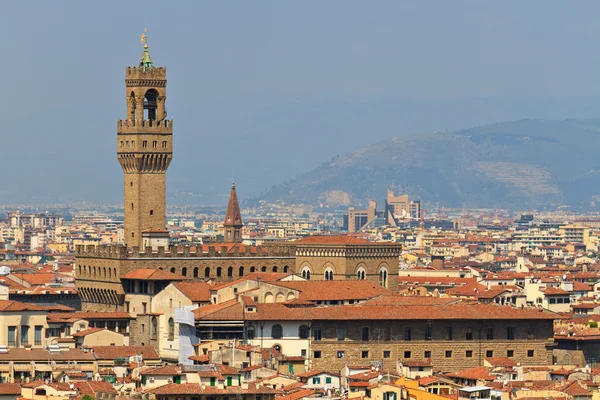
42 355
226 311
476 373
165 370
501 362
10 389
197 292
417 363
17 306
114 352
335 290
92 388
152 274
86 332
56 307
364 376
552 291
197 389
300 394
204 358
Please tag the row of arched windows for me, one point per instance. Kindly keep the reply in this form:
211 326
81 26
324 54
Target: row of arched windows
361 274
154 328
99 272
229 272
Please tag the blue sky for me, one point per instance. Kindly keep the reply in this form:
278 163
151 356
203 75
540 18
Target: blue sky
63 64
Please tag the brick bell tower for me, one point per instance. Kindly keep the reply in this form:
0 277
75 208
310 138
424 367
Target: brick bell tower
144 148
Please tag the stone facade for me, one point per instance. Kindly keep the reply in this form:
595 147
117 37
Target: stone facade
532 343
99 268
376 262
144 150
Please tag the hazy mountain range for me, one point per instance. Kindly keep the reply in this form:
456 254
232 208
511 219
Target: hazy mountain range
526 163
262 146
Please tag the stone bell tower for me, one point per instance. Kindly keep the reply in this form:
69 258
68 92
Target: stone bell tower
145 148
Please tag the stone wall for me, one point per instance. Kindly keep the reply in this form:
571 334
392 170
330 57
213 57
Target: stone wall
386 343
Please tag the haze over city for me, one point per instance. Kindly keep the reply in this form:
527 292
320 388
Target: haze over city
263 92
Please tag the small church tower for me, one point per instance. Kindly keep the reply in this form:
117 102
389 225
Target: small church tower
233 219
144 148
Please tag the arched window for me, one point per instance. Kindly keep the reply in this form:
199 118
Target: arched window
173 270
94 271
80 270
275 269
230 271
115 271
207 272
276 331
303 332
171 329
264 269
150 104
154 331
184 271
328 274
241 271
306 273
285 269
252 269
196 272
110 273
250 332
383 277
360 274
219 271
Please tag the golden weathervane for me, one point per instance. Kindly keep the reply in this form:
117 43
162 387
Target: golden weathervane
143 39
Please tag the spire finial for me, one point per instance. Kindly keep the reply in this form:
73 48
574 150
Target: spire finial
232 184
144 38
146 61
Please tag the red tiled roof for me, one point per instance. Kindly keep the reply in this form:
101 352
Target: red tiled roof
86 332
335 290
114 352
478 373
17 306
501 362
196 388
195 291
165 370
10 389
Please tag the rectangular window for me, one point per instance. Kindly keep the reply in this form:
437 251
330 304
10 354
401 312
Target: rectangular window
341 333
317 354
469 353
428 333
448 353
24 334
489 353
510 333
164 144
448 333
303 353
213 381
552 300
469 334
530 353
427 354
316 380
37 340
328 379
531 334
144 143
317 333
407 334
386 354
126 306
365 333
490 334
12 335
341 354
144 306
510 353
229 381
407 354
364 354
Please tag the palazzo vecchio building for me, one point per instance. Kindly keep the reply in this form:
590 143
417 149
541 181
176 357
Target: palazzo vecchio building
144 150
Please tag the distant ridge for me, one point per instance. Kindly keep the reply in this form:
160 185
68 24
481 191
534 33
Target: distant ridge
525 163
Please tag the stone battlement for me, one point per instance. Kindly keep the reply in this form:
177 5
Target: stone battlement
200 251
159 73
145 125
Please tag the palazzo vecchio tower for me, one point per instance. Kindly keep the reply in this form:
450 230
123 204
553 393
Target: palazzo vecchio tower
144 148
